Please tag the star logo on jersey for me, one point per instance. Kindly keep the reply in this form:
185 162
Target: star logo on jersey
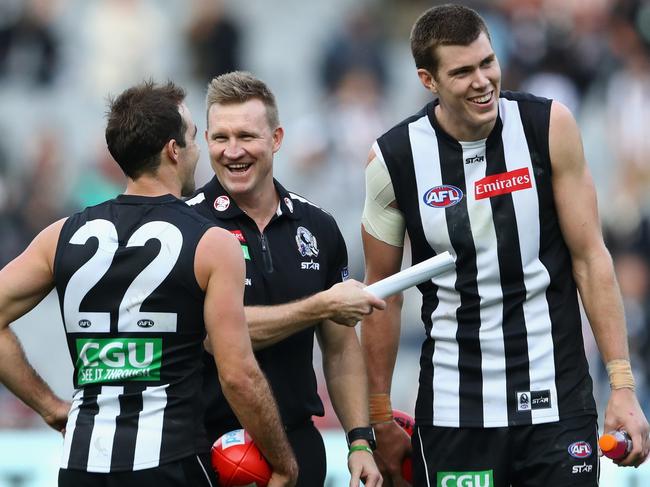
307 245
529 400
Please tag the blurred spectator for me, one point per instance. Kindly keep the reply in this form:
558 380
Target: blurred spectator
100 181
29 48
359 46
329 148
633 276
214 40
122 41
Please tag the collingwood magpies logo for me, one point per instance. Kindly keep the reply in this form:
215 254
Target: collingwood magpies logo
307 245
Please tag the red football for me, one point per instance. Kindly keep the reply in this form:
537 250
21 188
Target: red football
238 461
407 423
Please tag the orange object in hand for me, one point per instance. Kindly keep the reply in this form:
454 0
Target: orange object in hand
615 445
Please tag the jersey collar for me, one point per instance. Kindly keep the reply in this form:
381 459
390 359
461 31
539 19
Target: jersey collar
224 206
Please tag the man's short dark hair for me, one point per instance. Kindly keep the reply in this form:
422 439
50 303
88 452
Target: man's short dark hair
444 25
240 87
141 120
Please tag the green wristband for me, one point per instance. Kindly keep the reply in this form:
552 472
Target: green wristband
359 448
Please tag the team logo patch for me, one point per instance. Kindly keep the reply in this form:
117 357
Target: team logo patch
307 245
222 203
580 449
289 203
443 196
484 478
504 183
529 400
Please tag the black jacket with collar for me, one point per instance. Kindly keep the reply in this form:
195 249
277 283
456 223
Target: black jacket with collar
300 252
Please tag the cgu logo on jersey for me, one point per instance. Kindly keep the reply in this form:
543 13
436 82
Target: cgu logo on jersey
504 183
580 449
465 479
118 359
443 196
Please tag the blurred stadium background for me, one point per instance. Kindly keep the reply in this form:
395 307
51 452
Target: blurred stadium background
342 73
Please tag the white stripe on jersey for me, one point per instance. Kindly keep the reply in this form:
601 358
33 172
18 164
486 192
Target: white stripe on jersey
77 399
536 277
196 200
150 428
488 279
446 377
100 450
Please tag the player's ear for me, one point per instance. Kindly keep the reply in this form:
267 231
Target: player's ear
427 80
171 150
278 135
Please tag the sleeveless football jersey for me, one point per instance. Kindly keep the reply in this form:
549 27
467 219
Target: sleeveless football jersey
133 316
503 332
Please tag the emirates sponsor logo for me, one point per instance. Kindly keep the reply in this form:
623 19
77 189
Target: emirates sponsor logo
504 183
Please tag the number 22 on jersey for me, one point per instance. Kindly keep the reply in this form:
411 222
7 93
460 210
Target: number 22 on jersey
130 318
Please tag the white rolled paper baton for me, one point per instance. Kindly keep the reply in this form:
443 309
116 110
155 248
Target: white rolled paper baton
412 276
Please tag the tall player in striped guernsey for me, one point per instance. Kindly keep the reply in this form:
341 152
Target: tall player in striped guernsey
500 181
140 279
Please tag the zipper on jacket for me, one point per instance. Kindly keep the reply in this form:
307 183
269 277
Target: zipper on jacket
266 254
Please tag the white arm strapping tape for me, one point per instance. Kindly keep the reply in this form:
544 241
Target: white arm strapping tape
412 276
381 220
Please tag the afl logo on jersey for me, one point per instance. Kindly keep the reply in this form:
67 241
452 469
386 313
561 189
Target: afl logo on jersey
580 449
222 203
84 323
145 323
443 196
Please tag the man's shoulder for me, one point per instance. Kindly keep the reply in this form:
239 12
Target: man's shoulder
523 97
398 127
308 209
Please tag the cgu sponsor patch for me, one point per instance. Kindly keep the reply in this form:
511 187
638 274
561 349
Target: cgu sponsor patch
465 479
443 196
504 183
118 359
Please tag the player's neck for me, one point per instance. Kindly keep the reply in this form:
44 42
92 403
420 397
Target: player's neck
151 186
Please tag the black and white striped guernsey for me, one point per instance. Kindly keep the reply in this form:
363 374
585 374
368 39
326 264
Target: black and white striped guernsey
133 316
503 340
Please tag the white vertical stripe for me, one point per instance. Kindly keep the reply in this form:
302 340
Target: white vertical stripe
536 277
493 360
446 377
100 450
205 472
70 426
150 428
424 458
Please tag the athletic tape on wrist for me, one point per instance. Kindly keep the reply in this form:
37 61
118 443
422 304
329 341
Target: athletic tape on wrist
381 410
620 374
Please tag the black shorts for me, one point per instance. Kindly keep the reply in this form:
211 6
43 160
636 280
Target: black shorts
194 470
307 444
558 454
